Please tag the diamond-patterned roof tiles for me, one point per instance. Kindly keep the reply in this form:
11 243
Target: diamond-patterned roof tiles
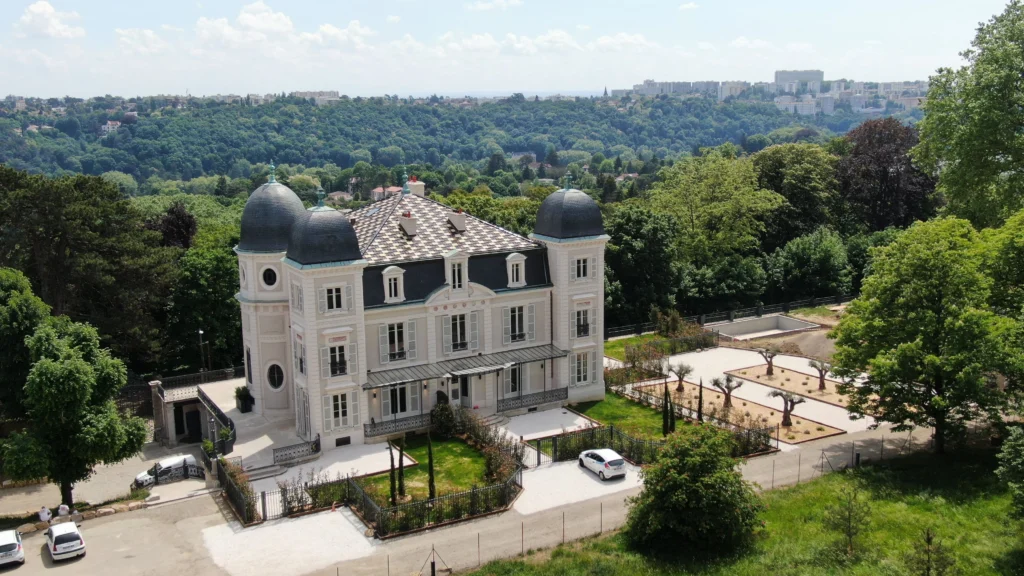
381 238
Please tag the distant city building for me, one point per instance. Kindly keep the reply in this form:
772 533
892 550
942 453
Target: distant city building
19 104
801 76
858 102
316 94
814 87
727 89
838 86
827 104
133 115
910 102
110 126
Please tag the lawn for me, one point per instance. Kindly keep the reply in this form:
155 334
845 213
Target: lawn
457 468
631 417
957 496
617 348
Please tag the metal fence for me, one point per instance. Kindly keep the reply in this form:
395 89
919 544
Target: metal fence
730 315
241 496
289 455
204 377
136 400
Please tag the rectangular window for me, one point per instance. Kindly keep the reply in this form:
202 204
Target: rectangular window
517 323
582 323
514 381
401 400
339 366
393 289
459 341
582 268
457 276
396 341
341 410
300 355
582 367
334 299
517 273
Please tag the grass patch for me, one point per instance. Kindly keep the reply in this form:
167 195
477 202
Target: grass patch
956 495
457 468
822 311
631 417
617 348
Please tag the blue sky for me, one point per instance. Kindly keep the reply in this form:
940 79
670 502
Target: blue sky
415 47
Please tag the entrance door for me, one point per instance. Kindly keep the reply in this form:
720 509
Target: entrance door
301 413
464 394
193 423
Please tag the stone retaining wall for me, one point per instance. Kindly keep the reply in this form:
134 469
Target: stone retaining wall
30 527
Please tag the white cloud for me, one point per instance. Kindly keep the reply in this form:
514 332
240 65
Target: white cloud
33 57
753 44
170 28
484 5
140 41
688 6
551 41
261 18
621 42
800 47
706 46
394 19
43 19
583 27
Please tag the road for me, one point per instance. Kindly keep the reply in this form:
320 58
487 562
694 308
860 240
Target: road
169 539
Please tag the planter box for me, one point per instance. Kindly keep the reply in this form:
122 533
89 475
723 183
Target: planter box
244 405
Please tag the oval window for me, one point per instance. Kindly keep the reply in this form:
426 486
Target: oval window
275 376
269 277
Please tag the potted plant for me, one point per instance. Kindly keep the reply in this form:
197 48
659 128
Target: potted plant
225 443
243 399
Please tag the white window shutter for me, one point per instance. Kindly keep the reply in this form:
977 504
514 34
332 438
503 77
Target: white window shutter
474 330
322 299
348 297
531 332
385 394
508 379
593 366
353 407
446 333
415 390
352 359
382 337
328 420
572 324
410 337
590 267
325 362
592 319
572 269
524 386
506 325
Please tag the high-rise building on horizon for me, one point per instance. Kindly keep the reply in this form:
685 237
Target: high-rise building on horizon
783 76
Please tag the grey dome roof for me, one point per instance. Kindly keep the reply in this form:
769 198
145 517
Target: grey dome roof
323 235
267 218
569 214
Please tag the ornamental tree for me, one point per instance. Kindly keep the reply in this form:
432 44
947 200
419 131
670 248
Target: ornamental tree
727 387
823 368
769 353
21 312
681 371
694 497
789 402
922 333
69 393
849 516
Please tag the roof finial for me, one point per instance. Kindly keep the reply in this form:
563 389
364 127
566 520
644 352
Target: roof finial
272 170
405 184
320 196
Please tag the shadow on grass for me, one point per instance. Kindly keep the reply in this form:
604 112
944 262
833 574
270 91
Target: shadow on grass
1010 563
958 477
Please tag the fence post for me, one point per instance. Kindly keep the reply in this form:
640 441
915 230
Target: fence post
760 310
263 503
538 452
554 449
732 315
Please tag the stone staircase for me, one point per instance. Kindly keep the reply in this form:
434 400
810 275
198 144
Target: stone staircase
495 419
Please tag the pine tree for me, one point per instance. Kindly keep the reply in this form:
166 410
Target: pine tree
700 401
664 413
671 416
430 468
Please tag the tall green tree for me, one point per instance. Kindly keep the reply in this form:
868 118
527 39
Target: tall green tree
21 313
970 131
69 394
922 333
812 265
1003 257
89 256
805 175
640 273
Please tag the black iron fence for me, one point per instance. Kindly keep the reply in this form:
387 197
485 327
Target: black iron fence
136 400
238 490
289 455
729 315
204 377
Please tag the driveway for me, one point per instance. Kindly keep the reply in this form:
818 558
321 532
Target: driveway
108 483
557 484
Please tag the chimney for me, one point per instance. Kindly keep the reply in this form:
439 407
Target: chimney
416 187
458 220
408 223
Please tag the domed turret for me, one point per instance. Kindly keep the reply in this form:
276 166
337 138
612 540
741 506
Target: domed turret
569 213
323 235
268 217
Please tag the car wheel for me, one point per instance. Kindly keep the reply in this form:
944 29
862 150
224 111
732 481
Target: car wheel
601 476
581 462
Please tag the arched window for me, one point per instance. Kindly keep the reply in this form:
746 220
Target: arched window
275 376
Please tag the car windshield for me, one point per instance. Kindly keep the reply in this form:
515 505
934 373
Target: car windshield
66 538
8 548
616 462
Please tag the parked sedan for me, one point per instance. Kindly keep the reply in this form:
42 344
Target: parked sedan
11 550
65 541
604 462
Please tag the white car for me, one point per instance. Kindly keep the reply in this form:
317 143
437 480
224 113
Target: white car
163 469
65 541
603 462
11 550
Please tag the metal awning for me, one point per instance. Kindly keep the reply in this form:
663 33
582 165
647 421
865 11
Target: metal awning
470 365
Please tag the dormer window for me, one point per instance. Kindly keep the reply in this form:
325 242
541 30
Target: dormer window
516 267
457 282
457 273
394 285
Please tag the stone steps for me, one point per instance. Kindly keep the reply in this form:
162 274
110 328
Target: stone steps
264 472
495 420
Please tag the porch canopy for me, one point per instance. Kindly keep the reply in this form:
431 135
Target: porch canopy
470 365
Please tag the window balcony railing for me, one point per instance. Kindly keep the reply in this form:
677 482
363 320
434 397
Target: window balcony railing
519 337
582 330
339 368
399 355
460 346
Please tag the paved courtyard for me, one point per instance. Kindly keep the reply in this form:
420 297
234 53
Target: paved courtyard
557 484
545 423
354 460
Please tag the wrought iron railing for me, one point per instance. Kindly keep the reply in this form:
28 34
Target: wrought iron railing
289 454
535 399
219 414
400 355
459 346
518 337
582 330
204 377
395 426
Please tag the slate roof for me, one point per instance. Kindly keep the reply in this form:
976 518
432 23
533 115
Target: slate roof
569 214
382 240
268 217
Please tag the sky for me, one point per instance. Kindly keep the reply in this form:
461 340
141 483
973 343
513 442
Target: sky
82 48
